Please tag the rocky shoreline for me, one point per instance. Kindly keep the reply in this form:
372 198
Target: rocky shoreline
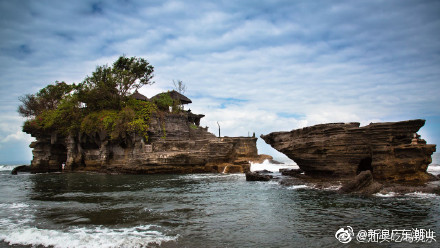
363 184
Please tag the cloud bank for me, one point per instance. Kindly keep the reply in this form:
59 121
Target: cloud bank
252 66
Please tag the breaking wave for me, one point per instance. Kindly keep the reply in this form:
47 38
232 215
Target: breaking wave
434 169
267 165
7 167
138 236
22 232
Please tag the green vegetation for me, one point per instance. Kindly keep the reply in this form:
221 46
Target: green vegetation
100 103
192 126
164 101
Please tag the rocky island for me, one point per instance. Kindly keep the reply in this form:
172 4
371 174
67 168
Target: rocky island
98 125
387 153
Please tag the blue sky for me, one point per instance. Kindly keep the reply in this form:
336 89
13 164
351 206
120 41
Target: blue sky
253 66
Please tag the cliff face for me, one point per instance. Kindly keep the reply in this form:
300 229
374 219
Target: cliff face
175 145
392 151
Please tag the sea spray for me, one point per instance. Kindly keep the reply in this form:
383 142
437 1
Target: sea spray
267 165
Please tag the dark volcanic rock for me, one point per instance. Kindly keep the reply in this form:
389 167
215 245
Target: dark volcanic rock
21 168
291 172
255 176
362 184
392 150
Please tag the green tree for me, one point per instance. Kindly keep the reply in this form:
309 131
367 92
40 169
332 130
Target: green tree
57 106
164 101
108 87
47 98
131 74
99 91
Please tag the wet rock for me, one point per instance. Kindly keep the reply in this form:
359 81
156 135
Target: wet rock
263 171
273 161
362 184
291 172
21 168
393 151
255 176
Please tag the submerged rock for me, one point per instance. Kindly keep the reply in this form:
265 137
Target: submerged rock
21 168
264 171
392 151
256 176
290 172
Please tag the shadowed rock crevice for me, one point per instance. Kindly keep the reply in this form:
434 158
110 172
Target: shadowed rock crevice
365 165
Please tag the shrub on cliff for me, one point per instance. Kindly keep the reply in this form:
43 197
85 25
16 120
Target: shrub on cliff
164 101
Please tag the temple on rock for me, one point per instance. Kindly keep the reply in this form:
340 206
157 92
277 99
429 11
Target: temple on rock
176 144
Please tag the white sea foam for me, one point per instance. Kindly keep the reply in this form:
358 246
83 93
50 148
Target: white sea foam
18 205
434 169
13 205
332 188
267 165
386 195
422 195
411 195
20 231
7 167
295 187
138 236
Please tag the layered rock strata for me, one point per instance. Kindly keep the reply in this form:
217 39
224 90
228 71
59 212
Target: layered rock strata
393 151
175 145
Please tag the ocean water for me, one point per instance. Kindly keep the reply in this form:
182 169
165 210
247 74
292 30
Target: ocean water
198 210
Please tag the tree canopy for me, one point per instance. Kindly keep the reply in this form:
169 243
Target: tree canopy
60 106
108 87
47 98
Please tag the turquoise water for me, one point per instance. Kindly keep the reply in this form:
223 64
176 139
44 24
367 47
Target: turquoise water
201 210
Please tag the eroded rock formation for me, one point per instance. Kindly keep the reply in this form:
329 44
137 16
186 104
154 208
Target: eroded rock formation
362 184
176 144
392 151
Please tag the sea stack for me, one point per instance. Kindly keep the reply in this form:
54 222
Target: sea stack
176 144
392 151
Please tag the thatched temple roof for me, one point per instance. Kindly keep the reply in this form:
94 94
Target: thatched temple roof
138 96
176 96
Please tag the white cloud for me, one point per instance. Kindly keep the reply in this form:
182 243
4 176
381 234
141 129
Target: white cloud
17 136
252 67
